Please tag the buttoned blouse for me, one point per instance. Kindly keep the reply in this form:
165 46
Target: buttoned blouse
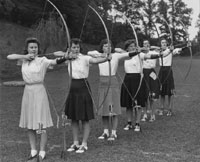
104 67
148 63
34 71
132 65
80 67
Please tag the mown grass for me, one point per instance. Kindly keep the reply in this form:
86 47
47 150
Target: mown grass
168 139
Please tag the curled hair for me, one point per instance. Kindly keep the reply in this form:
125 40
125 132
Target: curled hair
128 43
75 41
31 40
105 41
164 39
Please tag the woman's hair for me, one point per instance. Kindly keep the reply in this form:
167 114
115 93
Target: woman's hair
164 39
75 41
31 40
105 41
128 43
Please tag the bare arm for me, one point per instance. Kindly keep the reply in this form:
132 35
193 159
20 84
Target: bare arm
20 57
59 53
94 54
100 59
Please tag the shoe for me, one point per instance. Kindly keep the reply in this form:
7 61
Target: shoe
73 148
32 157
137 128
103 136
82 149
128 127
169 113
160 112
153 118
144 117
112 137
40 159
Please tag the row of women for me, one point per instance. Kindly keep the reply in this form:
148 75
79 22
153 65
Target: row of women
135 89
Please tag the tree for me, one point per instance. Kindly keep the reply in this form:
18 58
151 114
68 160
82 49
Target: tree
174 12
149 11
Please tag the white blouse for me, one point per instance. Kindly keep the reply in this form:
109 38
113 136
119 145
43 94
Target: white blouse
132 65
34 71
148 63
167 61
104 67
80 67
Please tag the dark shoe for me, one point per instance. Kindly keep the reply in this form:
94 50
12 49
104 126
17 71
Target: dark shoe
103 136
128 127
169 113
73 148
40 159
137 128
32 157
82 149
112 137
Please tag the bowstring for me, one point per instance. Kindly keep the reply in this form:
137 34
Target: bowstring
80 37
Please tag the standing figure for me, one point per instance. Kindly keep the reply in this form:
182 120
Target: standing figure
166 77
109 99
35 110
151 80
79 104
129 88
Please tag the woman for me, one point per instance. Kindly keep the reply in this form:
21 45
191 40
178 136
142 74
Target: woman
79 105
129 88
35 111
166 77
109 99
151 80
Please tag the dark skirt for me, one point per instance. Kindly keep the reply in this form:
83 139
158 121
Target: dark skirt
128 90
79 105
166 80
152 84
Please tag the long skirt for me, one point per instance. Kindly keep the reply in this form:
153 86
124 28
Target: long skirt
35 108
79 105
109 103
129 88
152 84
167 80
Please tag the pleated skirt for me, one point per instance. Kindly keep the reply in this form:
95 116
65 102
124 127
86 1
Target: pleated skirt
152 85
79 105
129 88
109 100
35 108
167 80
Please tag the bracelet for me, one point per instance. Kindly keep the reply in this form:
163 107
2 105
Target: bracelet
131 54
60 60
155 56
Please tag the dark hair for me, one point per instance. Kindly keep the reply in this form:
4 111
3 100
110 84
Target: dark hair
145 40
128 43
31 40
163 39
75 41
105 41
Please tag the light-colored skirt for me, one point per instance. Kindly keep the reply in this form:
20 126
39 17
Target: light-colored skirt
111 104
35 108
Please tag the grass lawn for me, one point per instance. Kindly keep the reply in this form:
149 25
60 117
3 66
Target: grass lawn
168 139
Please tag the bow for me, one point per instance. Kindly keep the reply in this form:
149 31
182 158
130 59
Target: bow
171 43
70 77
109 45
68 37
190 49
137 44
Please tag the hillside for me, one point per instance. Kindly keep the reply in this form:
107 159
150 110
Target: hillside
12 41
